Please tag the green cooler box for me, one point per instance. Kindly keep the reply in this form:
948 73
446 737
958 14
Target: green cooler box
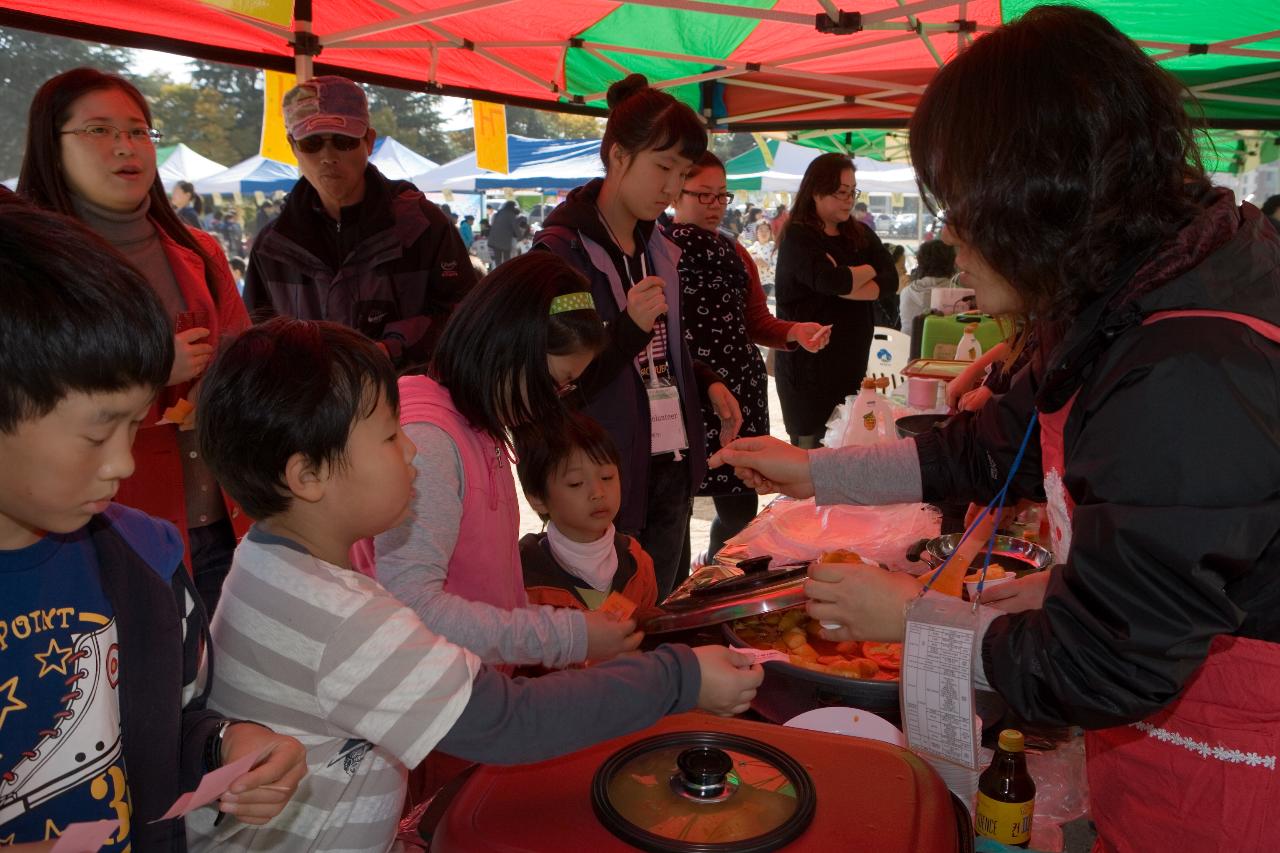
947 330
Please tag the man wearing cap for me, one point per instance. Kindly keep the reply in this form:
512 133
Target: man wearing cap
350 245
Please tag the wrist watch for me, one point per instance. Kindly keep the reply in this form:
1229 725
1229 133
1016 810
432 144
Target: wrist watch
213 745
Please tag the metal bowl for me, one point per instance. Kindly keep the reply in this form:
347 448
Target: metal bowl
1011 554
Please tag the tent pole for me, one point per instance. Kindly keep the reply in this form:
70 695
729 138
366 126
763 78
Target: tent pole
304 43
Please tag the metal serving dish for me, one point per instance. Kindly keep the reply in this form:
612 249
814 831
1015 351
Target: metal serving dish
789 690
1011 554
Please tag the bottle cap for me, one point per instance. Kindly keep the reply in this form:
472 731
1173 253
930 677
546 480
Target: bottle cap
1011 740
972 327
868 384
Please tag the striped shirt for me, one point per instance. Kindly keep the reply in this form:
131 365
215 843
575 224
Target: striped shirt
328 656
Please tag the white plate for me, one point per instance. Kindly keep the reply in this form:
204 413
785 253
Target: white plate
854 722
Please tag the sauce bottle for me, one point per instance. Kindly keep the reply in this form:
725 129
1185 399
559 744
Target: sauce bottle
969 349
1007 794
869 419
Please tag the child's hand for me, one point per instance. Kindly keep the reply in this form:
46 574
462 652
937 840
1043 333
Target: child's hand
190 357
608 637
261 794
729 680
646 301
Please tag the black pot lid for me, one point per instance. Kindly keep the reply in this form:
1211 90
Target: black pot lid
703 792
731 598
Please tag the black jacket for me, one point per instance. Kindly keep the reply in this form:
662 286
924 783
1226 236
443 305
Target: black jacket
808 288
162 632
614 393
1172 455
393 268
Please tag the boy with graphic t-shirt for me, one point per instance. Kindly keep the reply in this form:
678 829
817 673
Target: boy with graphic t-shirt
101 711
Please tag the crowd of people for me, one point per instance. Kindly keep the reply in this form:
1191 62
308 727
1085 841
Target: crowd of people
275 513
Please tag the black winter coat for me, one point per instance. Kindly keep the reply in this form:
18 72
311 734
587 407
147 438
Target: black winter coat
1172 456
808 288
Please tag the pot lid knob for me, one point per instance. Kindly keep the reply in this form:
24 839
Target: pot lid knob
703 770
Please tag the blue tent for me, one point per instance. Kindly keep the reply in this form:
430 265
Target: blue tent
257 174
549 164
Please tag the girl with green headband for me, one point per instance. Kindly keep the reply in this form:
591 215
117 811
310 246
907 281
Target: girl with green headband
512 350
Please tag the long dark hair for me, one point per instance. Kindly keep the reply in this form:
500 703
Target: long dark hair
1090 167
823 178
42 180
642 118
498 339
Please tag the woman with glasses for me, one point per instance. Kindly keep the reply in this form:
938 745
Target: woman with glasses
725 315
91 155
831 269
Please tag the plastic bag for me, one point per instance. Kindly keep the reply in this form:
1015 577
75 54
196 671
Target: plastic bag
795 531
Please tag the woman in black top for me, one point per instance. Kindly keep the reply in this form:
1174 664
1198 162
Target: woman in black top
831 269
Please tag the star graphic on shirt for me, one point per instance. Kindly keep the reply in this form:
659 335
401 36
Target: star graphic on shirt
14 703
59 665
51 830
6 840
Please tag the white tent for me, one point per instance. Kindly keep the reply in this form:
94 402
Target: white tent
791 160
434 180
184 164
252 175
398 162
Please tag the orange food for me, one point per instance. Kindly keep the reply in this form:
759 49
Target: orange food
840 555
887 655
791 632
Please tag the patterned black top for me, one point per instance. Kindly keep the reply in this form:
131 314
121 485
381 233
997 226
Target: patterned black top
713 305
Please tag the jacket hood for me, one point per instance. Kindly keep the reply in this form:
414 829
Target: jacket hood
1227 259
579 213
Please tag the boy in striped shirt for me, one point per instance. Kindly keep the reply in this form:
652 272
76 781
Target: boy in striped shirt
299 422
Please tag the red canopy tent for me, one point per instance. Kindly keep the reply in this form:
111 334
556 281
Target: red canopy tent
746 64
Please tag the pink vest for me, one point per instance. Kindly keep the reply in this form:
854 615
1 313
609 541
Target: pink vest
1200 774
485 563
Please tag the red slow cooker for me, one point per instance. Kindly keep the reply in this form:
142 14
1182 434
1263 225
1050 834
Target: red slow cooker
705 784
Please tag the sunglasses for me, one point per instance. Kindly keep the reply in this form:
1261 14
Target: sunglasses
313 144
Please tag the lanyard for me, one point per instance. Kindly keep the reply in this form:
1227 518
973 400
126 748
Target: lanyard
644 273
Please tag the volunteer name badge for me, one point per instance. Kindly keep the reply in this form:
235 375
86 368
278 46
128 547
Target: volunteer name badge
666 420
937 679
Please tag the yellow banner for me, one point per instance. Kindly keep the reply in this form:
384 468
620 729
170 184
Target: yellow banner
275 139
491 136
279 12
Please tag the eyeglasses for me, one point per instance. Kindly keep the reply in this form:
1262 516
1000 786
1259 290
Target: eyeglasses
710 198
844 195
106 133
313 144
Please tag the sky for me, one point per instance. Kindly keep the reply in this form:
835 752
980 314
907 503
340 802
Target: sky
454 110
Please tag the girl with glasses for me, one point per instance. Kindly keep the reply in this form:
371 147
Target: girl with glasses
91 155
644 388
725 315
831 269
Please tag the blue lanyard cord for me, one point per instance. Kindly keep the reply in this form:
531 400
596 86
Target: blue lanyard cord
997 503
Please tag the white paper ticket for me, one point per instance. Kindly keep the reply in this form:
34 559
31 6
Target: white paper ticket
937 680
764 655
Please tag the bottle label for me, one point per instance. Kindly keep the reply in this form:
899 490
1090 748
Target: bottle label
1008 823
869 420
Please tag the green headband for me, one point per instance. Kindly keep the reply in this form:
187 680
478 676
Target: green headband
580 301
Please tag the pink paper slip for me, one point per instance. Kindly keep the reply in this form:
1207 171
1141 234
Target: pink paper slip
85 837
212 786
763 655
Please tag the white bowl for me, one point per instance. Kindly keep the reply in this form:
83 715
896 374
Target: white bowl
853 722
972 586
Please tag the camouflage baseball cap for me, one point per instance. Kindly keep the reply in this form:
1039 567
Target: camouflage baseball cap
327 104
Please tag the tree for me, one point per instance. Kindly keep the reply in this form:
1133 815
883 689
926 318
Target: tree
198 117
240 90
413 118
544 124
27 60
